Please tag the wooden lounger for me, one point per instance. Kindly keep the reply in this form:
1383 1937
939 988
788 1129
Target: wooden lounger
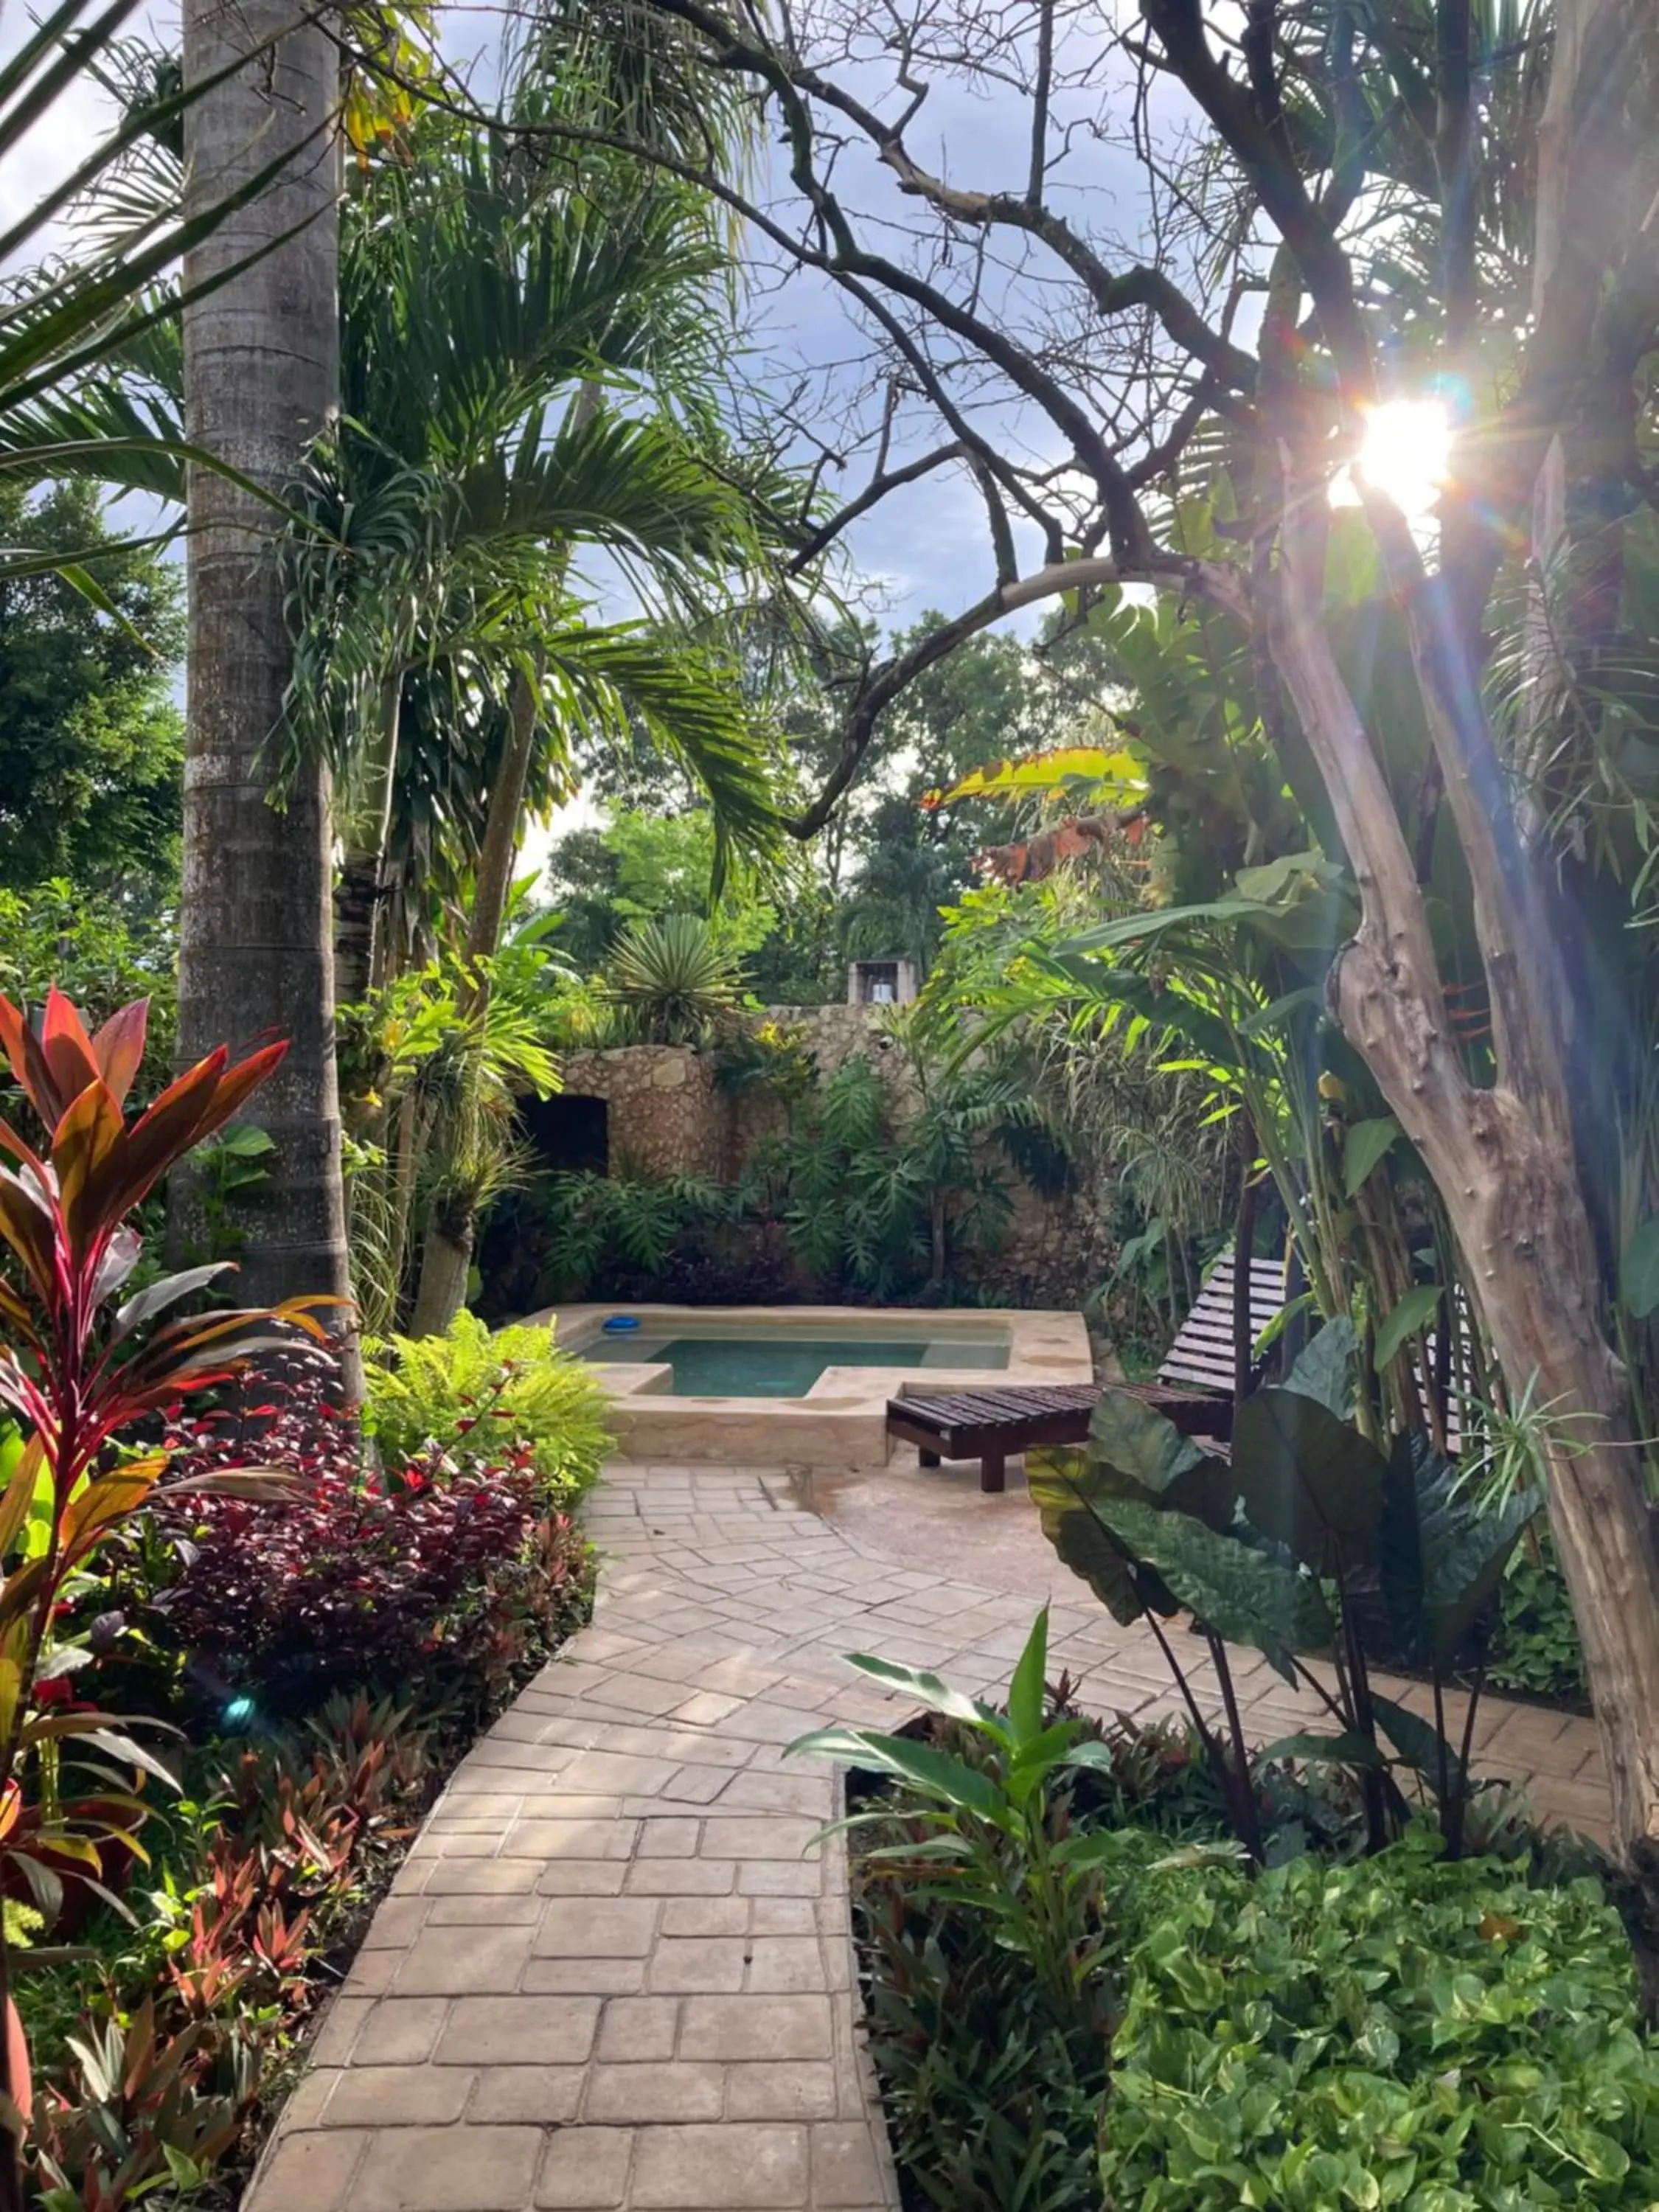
1194 1390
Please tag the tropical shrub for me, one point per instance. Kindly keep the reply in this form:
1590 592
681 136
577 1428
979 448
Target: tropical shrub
771 1056
886 1204
1534 1639
102 954
1079 1990
483 1393
1308 1538
986 1824
628 1236
82 1370
172 2023
987 1922
438 1583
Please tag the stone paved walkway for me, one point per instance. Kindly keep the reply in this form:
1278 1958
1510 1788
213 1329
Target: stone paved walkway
612 1973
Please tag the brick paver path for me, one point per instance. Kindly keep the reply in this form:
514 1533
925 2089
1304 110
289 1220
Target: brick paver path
611 1973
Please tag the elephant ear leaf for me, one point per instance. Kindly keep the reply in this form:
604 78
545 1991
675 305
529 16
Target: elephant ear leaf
1327 1367
1071 1497
1139 1452
1241 1593
1440 1554
1419 1744
1307 1480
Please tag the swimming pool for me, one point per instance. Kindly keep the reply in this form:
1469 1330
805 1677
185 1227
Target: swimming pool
801 1386
714 1362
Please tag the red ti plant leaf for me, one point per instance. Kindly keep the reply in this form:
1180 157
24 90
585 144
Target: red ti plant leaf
79 1368
29 1063
118 1047
68 1051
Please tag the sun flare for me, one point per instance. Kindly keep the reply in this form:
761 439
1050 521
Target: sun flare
1404 453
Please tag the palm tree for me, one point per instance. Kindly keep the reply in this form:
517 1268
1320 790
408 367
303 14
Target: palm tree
529 362
261 373
510 353
520 345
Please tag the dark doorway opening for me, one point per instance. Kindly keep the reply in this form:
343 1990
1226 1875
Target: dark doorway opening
570 1133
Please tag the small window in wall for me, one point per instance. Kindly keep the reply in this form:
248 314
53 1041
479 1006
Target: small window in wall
570 1132
878 982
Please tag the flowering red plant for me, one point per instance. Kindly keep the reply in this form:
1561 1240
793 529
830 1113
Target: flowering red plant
443 1573
79 1371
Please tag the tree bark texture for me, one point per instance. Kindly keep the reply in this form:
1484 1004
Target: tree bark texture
446 1265
360 892
261 373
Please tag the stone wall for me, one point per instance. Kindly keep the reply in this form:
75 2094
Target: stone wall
666 1116
833 1034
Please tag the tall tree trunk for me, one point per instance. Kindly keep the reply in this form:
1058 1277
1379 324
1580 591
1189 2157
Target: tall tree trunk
360 894
261 373
493 878
1503 1159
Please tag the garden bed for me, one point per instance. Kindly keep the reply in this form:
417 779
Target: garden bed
320 1664
1095 1998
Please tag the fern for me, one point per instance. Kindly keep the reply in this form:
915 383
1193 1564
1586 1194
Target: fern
474 1392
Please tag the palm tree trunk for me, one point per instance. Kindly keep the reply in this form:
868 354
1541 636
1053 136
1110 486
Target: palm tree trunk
446 1249
360 892
261 373
493 878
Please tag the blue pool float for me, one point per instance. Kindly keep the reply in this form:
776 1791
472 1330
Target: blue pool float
619 1323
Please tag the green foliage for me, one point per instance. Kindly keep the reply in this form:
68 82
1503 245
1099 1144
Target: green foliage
91 743
102 952
431 1071
232 1168
888 1189
626 1234
643 864
1395 2030
165 2027
771 1056
1534 1642
989 1896
987 1837
675 978
1292 1545
1077 1993
484 1392
1155 1161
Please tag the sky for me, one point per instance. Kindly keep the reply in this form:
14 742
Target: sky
925 547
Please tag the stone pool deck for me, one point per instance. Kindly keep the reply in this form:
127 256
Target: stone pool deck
613 1973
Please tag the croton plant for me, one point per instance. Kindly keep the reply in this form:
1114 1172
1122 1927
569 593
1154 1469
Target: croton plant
81 1366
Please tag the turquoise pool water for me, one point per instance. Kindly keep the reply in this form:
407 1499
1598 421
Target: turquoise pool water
787 1366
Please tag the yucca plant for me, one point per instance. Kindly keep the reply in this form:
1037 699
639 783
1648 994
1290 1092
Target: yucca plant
79 1370
677 979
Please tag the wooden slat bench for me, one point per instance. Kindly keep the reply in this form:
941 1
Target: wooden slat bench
1194 1390
989 1424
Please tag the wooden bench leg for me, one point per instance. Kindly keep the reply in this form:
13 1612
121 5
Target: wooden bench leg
927 1458
992 1471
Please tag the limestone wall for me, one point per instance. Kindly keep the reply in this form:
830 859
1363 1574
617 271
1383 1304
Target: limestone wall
665 1115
